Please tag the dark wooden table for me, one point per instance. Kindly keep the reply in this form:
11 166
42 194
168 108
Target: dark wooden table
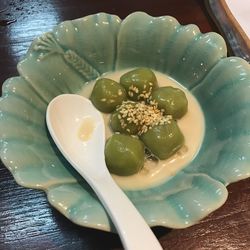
27 221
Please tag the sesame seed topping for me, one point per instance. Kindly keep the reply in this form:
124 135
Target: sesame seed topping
119 92
143 115
130 93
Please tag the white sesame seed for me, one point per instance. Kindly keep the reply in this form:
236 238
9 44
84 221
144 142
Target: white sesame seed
119 92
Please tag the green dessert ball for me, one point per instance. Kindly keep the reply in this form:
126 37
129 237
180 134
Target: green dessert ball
172 100
124 119
163 140
107 95
122 125
139 83
124 154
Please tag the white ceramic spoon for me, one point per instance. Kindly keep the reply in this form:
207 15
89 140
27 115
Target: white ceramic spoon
66 116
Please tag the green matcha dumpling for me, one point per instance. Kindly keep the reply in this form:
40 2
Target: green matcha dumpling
107 95
124 119
163 140
172 100
122 125
124 154
139 83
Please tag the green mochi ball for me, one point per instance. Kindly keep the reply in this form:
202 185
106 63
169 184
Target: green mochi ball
163 140
122 125
172 100
139 83
124 154
107 95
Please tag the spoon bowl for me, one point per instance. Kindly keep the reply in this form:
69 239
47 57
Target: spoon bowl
78 130
66 116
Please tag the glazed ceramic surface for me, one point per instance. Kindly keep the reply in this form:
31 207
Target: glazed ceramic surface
63 60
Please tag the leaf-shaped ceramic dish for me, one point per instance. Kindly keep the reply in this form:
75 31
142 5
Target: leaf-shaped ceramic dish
77 51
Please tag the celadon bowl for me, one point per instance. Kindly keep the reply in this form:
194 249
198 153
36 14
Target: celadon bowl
78 51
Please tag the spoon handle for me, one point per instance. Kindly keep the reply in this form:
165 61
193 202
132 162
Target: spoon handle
134 232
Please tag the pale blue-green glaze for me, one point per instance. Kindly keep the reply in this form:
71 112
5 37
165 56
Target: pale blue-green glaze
77 51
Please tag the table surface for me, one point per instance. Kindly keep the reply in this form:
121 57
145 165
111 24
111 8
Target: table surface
27 221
